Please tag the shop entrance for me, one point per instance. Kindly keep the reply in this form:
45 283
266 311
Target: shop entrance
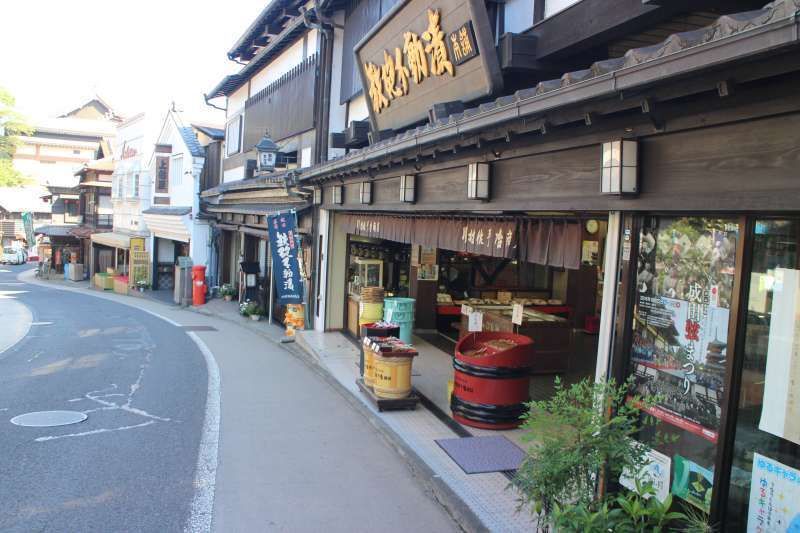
553 267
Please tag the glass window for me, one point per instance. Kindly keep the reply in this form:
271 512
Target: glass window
679 352
233 140
517 15
764 492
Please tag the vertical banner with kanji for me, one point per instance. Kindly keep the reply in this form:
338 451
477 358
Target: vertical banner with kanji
27 222
285 247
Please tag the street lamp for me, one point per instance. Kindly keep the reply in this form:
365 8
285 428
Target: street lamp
267 154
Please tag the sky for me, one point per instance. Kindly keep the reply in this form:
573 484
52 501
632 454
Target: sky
138 56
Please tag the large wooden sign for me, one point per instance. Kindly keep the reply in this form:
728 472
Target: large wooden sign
422 53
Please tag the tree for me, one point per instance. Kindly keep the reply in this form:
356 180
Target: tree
12 125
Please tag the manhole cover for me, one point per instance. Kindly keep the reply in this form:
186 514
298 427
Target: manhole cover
41 419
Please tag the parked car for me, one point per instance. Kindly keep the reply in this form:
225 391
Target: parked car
13 257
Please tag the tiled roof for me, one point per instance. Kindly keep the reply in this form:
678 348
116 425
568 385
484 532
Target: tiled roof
275 179
171 210
191 141
724 27
218 134
55 230
21 199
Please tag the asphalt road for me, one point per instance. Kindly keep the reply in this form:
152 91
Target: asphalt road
142 382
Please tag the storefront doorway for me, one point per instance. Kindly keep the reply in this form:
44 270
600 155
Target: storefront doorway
552 265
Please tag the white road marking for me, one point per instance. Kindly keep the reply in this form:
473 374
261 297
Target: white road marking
205 477
202 508
41 323
37 354
93 432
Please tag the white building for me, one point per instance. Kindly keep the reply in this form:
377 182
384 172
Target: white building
173 216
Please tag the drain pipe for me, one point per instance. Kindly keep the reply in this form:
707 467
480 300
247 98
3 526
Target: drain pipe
325 27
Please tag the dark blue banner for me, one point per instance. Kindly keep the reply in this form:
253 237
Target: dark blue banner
284 245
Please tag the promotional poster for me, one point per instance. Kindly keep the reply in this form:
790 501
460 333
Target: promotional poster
679 347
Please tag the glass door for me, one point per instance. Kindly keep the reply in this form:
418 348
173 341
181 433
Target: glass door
679 346
764 493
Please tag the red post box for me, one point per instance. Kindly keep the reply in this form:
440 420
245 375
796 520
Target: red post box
199 288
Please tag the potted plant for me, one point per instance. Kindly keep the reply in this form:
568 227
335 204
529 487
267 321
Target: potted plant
251 309
227 291
584 431
142 285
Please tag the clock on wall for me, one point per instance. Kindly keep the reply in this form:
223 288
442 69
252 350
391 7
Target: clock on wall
592 226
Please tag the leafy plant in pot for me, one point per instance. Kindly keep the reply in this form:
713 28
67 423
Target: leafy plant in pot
227 291
582 432
251 309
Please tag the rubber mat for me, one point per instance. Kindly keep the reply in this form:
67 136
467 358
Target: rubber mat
479 455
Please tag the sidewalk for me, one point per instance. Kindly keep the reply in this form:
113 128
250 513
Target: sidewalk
481 501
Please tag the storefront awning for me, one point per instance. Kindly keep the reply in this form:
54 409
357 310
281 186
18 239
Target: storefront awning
554 242
112 239
173 226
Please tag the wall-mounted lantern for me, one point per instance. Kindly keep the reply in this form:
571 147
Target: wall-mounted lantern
267 154
478 181
365 192
620 173
408 188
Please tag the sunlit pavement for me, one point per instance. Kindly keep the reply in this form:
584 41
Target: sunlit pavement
293 455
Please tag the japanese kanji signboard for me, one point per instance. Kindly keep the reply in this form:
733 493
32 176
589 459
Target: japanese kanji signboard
423 53
284 246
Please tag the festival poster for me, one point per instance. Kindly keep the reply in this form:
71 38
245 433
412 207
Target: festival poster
679 347
774 497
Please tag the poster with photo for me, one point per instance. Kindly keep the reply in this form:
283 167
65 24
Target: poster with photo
679 345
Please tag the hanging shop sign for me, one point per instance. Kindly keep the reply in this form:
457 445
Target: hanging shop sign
424 53
774 497
284 245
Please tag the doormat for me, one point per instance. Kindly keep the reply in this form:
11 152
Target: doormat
480 455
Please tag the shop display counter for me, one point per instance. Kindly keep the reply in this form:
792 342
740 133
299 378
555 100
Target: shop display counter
552 334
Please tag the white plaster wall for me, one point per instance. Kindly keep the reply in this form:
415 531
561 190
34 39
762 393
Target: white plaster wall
233 174
322 278
551 7
198 244
236 100
518 15
284 62
358 109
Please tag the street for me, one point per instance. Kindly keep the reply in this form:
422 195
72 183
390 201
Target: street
293 456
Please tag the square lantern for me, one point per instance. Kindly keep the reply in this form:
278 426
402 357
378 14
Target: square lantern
317 195
407 188
337 194
478 181
620 174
